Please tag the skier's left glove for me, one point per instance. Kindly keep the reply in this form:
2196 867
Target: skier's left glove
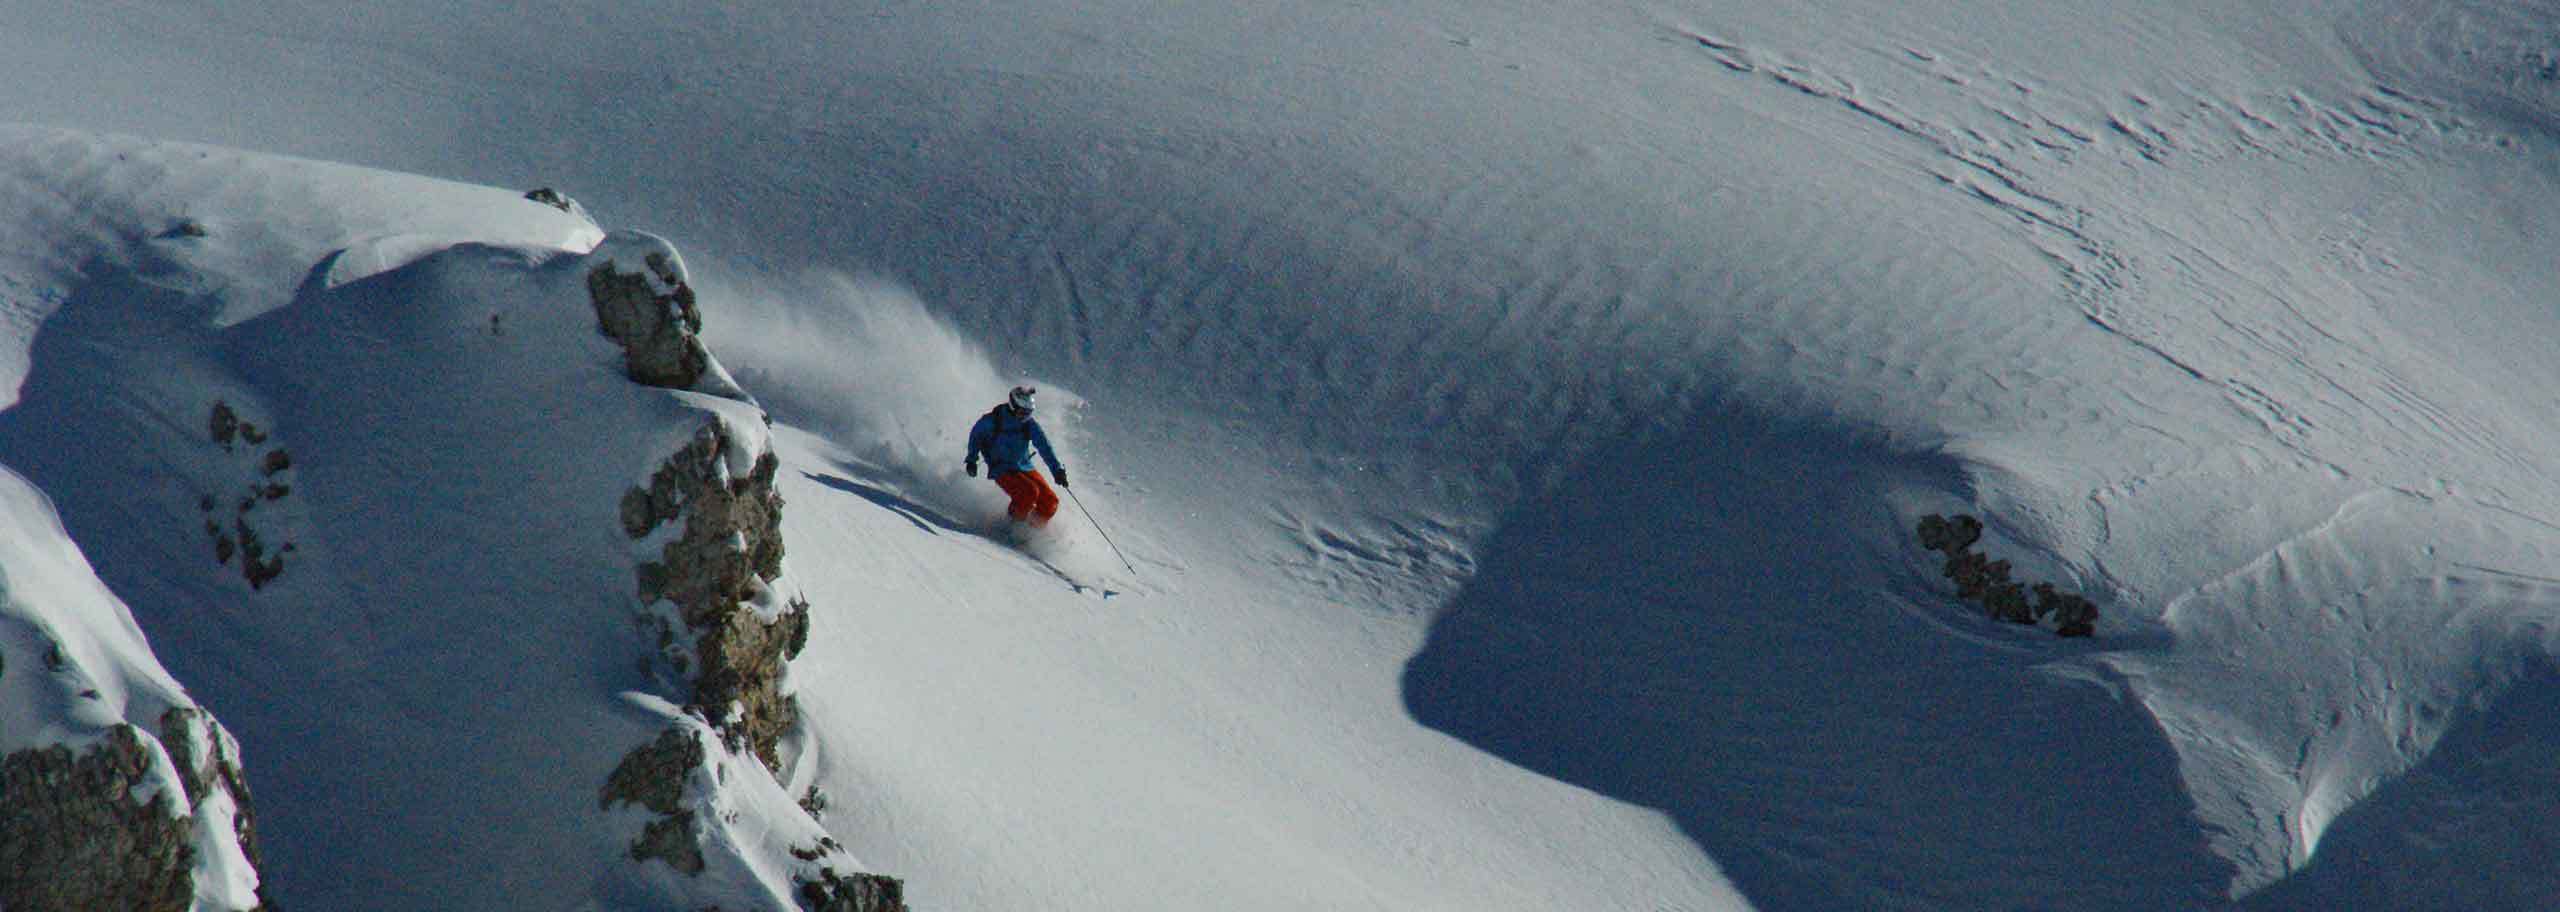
1062 478
972 467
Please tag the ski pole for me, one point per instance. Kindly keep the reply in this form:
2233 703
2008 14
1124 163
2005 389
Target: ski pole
1097 527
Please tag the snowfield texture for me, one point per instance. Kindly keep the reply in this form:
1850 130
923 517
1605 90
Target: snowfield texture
1516 415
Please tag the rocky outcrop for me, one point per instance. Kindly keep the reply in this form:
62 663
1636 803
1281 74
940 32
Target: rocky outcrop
1980 579
72 836
654 776
208 762
650 313
829 892
727 636
98 828
709 525
265 477
715 573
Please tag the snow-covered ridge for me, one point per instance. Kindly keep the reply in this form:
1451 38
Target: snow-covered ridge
1521 412
116 789
370 458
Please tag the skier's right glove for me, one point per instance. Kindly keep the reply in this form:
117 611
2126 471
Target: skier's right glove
972 468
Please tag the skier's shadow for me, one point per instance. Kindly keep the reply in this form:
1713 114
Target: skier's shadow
926 518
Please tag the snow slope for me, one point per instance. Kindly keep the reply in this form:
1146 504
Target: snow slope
83 670
432 443
1517 415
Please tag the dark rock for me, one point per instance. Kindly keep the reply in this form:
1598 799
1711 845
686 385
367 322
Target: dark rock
1978 577
830 892
224 423
672 840
656 331
72 837
205 762
549 197
2074 616
276 461
260 573
653 774
249 432
731 544
637 519
2007 602
1962 532
1975 573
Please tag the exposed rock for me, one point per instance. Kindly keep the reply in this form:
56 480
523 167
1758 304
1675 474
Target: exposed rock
72 837
855 893
223 423
1978 577
713 520
1938 533
549 197
1975 573
260 564
656 329
256 564
2007 602
730 546
654 776
670 839
207 760
814 803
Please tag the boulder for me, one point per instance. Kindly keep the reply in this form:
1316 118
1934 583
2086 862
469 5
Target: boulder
651 314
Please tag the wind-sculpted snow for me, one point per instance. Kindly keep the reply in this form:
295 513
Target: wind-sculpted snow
1516 416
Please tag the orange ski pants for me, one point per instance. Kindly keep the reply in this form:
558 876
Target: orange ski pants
1033 500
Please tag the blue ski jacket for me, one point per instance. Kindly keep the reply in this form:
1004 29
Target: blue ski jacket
1006 439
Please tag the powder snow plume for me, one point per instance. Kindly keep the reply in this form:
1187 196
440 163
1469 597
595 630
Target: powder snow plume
863 359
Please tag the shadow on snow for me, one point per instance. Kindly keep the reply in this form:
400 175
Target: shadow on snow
1702 623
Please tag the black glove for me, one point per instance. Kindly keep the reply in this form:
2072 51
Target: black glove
1062 478
972 468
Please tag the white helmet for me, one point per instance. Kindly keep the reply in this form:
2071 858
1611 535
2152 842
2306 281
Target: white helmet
1021 397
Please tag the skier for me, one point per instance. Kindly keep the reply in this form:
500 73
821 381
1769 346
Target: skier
1005 435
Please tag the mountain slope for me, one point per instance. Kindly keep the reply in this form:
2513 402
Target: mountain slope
1518 416
353 445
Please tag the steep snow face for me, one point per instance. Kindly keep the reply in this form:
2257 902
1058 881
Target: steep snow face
1566 379
354 442
76 673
